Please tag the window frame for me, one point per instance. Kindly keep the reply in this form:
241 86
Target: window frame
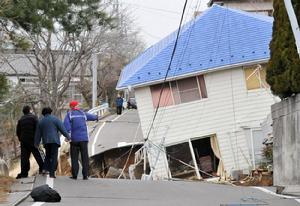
172 89
263 84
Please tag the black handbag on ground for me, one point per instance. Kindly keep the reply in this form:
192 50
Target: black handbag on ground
44 193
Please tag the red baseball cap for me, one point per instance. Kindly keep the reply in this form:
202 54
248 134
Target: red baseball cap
73 104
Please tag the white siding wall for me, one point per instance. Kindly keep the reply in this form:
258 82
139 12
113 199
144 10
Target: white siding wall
228 108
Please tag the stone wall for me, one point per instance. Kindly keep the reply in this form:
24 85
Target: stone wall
286 143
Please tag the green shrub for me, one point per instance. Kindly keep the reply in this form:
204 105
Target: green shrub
283 70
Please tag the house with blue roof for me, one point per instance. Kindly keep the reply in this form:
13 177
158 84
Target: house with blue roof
214 95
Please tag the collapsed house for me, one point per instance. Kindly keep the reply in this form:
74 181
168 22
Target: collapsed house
202 116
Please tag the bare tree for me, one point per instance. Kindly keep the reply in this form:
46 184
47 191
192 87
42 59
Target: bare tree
116 48
57 57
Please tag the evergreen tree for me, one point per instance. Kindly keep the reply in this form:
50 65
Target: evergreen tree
283 70
72 16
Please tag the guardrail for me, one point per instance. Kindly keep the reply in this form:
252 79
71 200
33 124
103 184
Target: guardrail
100 110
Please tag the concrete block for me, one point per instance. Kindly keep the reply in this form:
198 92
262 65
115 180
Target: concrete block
286 142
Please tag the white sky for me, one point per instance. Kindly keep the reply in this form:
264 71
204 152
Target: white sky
157 18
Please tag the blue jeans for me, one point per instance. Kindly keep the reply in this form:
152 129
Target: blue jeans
51 158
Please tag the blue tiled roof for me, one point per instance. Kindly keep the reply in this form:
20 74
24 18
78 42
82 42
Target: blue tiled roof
218 38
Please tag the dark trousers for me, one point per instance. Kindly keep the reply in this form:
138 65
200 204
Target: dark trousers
26 150
119 109
51 158
75 148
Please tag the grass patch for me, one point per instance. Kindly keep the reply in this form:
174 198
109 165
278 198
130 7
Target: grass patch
5 185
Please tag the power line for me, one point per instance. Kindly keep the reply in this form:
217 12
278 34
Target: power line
152 8
169 67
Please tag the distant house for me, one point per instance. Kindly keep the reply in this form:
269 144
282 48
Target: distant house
215 95
258 6
15 65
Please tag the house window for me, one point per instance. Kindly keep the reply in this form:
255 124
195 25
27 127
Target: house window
166 96
187 89
180 91
255 77
180 169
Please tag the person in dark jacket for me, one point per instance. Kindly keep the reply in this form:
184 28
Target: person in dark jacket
119 104
48 130
75 123
26 127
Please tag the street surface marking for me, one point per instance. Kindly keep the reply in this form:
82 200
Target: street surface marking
38 203
96 137
99 130
275 194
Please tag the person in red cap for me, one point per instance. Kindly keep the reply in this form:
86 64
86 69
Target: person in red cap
73 104
75 123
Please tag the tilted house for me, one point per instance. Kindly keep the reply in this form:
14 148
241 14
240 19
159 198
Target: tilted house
214 99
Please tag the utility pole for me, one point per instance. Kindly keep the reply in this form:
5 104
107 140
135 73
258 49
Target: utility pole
294 23
94 73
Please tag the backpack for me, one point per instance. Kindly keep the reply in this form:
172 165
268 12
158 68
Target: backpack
44 193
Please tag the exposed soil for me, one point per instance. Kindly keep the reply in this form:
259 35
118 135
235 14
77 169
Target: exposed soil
5 185
64 166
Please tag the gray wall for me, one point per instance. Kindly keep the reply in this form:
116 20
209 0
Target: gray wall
286 131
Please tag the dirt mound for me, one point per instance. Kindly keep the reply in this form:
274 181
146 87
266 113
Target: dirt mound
64 166
5 185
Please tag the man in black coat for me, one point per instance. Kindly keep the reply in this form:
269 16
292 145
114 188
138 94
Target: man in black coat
26 131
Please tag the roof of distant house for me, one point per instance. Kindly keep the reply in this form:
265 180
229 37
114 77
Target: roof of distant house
215 40
18 62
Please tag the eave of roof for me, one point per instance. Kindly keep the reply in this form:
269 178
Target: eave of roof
233 66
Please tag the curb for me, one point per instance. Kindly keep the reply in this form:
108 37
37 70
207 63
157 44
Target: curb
21 200
25 196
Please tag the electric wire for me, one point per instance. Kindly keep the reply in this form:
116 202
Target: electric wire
167 73
173 53
169 67
131 149
170 94
170 156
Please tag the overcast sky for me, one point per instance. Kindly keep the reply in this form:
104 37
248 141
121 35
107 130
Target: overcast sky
157 18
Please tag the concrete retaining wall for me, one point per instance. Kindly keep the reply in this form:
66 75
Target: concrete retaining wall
286 131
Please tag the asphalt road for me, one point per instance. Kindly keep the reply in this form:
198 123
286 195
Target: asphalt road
111 192
115 131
